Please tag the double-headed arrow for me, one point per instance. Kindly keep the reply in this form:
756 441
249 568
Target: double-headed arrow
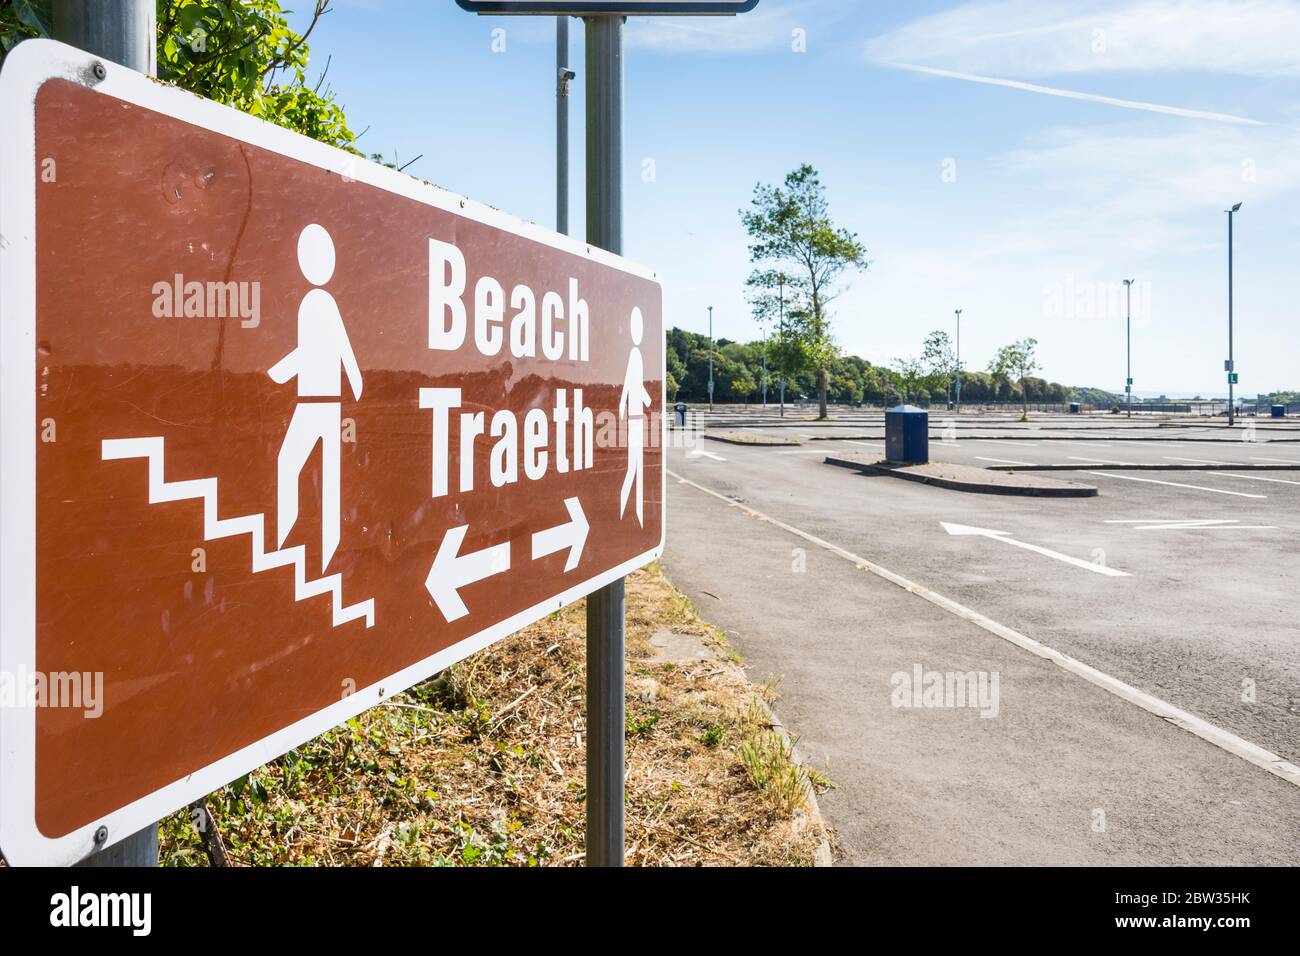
452 570
1005 538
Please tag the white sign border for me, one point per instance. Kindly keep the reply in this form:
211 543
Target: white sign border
26 68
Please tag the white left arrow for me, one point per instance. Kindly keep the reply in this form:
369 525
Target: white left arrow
572 535
1005 537
452 570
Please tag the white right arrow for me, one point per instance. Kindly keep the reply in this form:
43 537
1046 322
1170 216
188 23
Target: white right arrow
572 535
452 570
1004 536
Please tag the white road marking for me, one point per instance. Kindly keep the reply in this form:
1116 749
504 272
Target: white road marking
1005 538
849 441
804 451
1280 461
1002 461
1089 444
995 441
1098 461
701 453
1174 484
1199 461
1191 524
1223 739
1280 481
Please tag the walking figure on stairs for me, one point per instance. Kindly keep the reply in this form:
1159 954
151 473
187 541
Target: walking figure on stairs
323 351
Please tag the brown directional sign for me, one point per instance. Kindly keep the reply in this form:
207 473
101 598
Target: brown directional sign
284 433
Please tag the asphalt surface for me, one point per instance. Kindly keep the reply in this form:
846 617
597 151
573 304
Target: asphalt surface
1196 606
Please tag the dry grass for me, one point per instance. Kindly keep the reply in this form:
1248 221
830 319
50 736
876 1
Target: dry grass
485 765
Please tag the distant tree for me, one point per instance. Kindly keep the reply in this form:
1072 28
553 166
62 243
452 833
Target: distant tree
939 358
792 235
1017 362
914 379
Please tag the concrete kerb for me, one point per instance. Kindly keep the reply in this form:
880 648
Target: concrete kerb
966 478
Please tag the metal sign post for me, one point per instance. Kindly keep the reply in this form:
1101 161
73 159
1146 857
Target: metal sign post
563 76
605 617
123 32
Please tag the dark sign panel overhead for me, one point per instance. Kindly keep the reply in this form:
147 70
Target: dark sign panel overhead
579 8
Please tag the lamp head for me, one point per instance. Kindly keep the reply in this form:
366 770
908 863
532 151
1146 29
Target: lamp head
1235 208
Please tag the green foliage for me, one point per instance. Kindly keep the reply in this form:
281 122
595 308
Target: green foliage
738 375
915 380
242 53
800 255
1016 361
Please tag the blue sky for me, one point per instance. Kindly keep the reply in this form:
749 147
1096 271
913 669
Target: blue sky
1014 159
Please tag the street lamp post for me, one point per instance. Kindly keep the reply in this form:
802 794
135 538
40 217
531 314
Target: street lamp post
784 344
1231 365
710 358
563 76
958 311
1128 348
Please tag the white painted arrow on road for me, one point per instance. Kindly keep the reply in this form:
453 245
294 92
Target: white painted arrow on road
572 535
452 570
1004 536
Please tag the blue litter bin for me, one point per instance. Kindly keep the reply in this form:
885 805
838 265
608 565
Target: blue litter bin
1279 411
680 409
907 435
1074 408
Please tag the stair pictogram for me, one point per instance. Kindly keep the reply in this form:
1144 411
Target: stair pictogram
215 527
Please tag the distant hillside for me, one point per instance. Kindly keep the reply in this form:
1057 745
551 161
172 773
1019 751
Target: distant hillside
738 372
1095 396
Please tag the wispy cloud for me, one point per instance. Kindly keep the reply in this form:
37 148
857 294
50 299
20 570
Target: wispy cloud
1052 37
1089 97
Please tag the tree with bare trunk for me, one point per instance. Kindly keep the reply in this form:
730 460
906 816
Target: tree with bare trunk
792 235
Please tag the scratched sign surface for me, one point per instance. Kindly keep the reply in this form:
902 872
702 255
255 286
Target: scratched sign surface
290 432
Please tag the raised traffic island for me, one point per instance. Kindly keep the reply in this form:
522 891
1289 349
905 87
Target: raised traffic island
965 477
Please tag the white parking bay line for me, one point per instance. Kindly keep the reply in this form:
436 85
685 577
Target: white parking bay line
701 453
1280 461
1088 444
1098 461
996 441
1280 481
1223 739
1190 524
1199 461
1003 461
1174 484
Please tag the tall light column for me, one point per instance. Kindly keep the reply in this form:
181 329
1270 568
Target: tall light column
958 311
1128 348
1231 366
